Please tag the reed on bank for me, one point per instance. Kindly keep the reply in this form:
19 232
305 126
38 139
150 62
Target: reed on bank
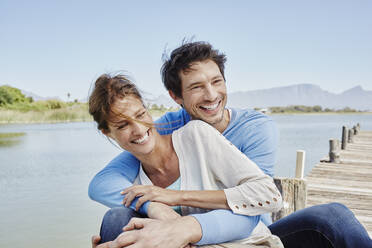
68 113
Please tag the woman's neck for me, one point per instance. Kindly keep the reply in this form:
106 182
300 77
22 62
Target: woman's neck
161 165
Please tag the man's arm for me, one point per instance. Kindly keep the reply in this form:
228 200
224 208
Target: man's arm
107 184
147 233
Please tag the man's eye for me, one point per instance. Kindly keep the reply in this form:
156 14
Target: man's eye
195 88
218 81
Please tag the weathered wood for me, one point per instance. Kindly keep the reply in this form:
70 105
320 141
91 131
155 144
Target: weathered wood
344 138
334 151
347 182
294 195
300 163
350 136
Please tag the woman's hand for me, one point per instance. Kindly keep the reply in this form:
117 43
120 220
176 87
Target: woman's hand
161 211
150 193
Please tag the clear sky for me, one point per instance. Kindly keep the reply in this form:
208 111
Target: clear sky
54 47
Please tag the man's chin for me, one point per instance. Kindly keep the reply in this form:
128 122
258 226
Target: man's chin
212 120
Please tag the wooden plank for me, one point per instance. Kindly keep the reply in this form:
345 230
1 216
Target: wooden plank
348 182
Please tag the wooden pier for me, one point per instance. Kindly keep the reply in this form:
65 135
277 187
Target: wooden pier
345 176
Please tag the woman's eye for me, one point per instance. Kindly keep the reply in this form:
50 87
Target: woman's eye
123 126
141 115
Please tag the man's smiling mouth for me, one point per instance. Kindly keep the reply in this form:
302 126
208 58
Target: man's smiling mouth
210 107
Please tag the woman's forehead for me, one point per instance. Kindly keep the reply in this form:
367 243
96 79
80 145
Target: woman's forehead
127 105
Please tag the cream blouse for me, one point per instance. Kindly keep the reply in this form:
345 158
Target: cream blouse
208 161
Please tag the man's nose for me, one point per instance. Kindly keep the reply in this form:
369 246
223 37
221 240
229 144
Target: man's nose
210 93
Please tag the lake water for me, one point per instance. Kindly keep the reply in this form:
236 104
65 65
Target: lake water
44 176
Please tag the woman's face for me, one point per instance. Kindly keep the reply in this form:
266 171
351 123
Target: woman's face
131 135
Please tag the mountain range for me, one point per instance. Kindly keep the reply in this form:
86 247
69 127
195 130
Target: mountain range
299 94
302 94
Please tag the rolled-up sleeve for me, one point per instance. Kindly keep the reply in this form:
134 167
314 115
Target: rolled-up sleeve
254 198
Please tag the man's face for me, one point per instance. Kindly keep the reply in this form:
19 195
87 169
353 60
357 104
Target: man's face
204 93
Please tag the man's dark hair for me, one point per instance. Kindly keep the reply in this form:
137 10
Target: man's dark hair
182 58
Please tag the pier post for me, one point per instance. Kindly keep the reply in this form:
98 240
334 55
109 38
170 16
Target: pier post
300 163
351 136
334 152
356 131
294 194
344 137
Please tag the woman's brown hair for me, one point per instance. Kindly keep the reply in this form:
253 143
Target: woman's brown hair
107 89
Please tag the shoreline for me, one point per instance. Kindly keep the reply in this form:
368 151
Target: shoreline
157 115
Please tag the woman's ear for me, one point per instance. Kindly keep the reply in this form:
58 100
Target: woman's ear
106 133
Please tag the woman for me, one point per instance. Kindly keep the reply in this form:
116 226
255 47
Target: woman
191 160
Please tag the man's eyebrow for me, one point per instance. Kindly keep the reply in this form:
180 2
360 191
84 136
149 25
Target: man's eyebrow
196 83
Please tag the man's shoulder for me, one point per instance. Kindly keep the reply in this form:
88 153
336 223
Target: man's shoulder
172 121
248 118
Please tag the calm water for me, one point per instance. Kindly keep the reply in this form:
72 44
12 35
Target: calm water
45 174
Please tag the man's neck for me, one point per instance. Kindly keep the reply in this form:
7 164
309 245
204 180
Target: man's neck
222 125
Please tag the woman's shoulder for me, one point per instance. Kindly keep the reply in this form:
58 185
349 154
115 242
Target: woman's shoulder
198 126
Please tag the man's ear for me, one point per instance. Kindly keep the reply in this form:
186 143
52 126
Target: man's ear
175 98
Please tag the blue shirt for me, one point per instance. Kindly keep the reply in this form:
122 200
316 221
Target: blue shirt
253 133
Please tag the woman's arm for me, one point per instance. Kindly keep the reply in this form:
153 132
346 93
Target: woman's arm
209 199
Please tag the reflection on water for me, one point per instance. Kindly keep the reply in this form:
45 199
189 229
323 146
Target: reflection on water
44 178
10 139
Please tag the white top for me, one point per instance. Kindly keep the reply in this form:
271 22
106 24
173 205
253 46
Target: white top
208 161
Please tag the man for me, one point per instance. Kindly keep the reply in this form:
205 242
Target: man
194 77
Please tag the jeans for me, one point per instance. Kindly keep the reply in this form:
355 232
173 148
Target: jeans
114 221
329 225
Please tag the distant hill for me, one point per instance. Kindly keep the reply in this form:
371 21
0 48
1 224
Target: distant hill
164 100
37 97
302 94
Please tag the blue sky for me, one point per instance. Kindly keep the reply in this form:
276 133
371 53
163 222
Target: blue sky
55 47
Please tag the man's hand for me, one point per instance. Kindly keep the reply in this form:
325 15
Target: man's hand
150 193
150 233
160 211
95 241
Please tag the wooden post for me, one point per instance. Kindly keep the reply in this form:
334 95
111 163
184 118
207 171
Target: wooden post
356 131
358 126
300 163
294 194
334 152
344 137
350 136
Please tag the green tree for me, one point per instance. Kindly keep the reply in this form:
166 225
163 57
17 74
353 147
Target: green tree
10 95
317 108
5 97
